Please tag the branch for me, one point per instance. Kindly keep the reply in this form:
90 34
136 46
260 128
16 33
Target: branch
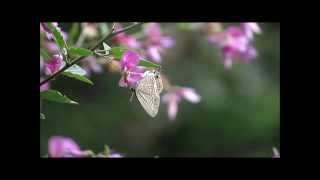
107 37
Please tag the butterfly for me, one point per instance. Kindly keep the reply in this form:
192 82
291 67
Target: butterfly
148 92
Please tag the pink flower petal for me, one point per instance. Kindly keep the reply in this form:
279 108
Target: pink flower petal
131 78
153 30
91 65
126 40
54 65
171 99
227 63
190 95
154 54
122 82
132 42
45 87
63 147
249 54
251 28
167 41
129 60
235 31
172 110
52 47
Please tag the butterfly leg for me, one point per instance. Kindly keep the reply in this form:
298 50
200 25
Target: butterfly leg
132 93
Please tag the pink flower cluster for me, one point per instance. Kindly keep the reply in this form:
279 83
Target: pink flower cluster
45 87
45 29
49 43
153 42
53 65
126 40
235 43
174 96
90 29
91 65
60 146
131 72
50 67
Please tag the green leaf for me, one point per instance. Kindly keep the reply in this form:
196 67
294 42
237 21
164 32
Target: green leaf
75 69
44 54
42 116
104 29
146 63
58 37
78 77
78 73
80 51
56 96
118 51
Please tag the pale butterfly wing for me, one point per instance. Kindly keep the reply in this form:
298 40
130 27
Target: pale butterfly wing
149 103
148 94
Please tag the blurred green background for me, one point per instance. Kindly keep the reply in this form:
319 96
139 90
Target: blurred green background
238 116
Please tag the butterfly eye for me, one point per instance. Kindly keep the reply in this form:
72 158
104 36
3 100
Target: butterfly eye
157 76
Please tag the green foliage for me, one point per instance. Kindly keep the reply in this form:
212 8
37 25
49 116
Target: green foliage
44 54
56 96
78 73
118 51
146 63
58 37
80 51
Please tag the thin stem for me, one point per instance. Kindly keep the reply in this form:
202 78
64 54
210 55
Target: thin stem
107 37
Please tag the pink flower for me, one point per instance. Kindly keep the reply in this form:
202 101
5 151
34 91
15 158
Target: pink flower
130 78
155 43
173 98
154 53
53 65
126 40
129 60
45 29
91 65
45 87
51 47
235 43
131 72
60 146
90 29
250 29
